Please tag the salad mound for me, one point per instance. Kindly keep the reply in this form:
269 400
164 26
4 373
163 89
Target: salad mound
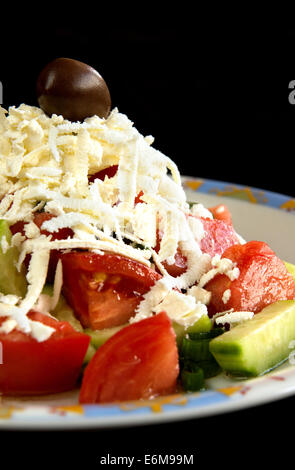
108 272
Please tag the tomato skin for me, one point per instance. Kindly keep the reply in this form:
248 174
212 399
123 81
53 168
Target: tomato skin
138 362
104 290
263 280
219 236
64 233
51 366
221 212
38 219
61 234
178 267
180 262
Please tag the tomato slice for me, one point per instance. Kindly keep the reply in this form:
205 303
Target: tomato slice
104 290
61 234
219 236
34 368
39 218
178 267
180 262
221 212
263 280
140 361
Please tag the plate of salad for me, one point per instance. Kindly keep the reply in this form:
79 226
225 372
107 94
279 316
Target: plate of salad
128 293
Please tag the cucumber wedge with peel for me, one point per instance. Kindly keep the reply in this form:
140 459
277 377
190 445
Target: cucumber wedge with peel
11 280
99 337
257 345
63 312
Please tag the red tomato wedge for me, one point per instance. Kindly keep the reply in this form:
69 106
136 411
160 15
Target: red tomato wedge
221 212
61 234
180 263
140 361
178 267
34 368
104 290
219 236
39 218
263 280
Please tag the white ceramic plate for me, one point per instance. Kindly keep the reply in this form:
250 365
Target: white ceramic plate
257 215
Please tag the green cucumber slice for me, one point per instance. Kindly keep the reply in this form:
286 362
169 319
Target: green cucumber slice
63 312
89 354
11 280
204 324
99 337
258 345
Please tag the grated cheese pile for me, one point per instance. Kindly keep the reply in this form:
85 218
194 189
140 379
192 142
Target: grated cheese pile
45 163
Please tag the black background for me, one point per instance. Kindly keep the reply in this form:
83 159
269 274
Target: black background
216 100
215 97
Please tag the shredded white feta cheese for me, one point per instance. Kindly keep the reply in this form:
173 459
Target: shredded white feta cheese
39 331
232 318
200 294
200 211
4 244
226 296
8 326
183 309
220 266
46 163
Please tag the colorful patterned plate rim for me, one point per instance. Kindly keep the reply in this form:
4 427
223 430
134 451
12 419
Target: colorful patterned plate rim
223 394
241 192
